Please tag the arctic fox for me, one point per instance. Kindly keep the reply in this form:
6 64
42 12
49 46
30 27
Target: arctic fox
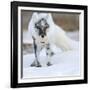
44 33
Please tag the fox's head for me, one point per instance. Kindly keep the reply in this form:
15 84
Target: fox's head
42 23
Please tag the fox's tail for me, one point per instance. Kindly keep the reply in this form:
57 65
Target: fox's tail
60 39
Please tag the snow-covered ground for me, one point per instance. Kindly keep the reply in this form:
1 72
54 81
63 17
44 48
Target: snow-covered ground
74 35
63 63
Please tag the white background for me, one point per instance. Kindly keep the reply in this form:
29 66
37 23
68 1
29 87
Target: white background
5 46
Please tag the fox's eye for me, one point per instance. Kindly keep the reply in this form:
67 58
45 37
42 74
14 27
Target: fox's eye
47 26
36 25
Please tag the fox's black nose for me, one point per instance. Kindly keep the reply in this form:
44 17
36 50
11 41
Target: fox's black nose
42 36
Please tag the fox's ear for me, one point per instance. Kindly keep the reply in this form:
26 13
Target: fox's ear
50 21
48 15
35 16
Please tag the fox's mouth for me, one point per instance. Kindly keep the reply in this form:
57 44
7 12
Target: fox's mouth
42 42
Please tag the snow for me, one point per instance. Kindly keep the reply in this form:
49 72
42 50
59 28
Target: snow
63 64
74 35
27 37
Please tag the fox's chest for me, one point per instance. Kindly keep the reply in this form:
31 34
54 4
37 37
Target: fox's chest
42 42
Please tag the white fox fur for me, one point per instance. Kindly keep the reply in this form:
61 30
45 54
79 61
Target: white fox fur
55 35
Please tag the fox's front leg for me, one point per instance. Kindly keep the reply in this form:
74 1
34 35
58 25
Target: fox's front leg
36 52
49 54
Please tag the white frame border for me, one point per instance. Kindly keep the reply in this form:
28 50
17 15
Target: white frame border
81 42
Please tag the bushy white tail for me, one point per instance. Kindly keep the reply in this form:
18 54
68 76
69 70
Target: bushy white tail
60 39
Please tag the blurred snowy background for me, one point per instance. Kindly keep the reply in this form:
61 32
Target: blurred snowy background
64 64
